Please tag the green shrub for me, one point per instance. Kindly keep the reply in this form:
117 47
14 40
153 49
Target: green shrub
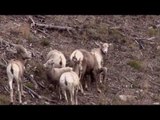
135 64
45 42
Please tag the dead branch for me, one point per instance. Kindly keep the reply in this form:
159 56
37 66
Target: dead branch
40 84
130 81
153 81
47 99
5 87
116 27
3 65
139 43
151 38
33 92
34 24
43 32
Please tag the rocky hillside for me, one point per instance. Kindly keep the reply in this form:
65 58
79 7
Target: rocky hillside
133 61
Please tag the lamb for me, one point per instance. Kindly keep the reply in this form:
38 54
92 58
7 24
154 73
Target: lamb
15 70
53 74
56 59
70 81
99 53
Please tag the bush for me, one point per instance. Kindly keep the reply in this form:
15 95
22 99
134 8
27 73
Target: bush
25 30
45 42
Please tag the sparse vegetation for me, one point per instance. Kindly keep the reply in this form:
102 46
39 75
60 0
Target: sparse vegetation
30 85
125 57
135 64
45 42
25 30
4 99
153 32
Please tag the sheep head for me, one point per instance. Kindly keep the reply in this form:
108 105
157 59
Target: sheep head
22 52
103 46
76 59
51 64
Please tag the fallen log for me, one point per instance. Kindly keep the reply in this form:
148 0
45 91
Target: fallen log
34 24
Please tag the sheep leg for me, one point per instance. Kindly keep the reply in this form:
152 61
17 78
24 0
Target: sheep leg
11 89
105 73
81 88
65 95
21 89
96 79
19 92
82 80
85 82
72 95
100 73
75 95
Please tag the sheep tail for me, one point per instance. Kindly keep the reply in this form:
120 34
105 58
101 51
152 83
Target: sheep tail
66 82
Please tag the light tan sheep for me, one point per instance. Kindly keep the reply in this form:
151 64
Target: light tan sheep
55 58
15 70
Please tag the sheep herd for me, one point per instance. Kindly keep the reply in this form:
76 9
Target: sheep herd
65 78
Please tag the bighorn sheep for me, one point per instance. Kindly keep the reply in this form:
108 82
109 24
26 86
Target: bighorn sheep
15 70
87 64
53 74
56 59
70 81
90 63
99 55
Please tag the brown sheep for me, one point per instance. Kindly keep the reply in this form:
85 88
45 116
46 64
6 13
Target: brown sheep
87 66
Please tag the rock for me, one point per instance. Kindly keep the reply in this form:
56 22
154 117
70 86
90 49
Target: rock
126 97
158 47
123 97
47 103
156 103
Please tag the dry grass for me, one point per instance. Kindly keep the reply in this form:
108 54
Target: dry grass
30 85
25 30
153 32
4 99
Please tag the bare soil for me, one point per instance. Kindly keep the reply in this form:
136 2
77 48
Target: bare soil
133 61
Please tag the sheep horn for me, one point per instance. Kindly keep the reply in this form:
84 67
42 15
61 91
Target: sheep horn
98 44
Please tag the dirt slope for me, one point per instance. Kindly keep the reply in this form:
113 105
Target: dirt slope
133 61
